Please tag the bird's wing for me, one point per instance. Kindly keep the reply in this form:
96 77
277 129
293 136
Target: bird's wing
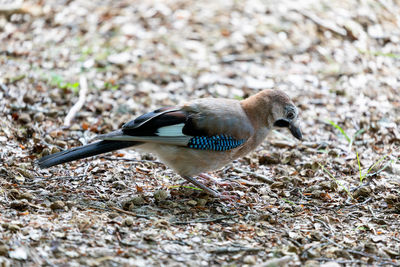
204 124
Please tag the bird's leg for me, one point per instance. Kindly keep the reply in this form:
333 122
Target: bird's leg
208 177
209 191
202 186
216 181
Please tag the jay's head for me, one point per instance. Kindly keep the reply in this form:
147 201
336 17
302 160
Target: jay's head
279 110
286 116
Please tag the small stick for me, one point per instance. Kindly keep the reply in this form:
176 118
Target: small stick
256 175
225 250
329 25
206 220
78 105
129 213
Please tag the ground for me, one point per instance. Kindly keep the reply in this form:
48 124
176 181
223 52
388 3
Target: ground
333 198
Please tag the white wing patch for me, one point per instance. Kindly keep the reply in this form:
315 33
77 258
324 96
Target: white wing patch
171 130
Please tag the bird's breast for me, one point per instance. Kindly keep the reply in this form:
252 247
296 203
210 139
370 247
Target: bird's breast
188 161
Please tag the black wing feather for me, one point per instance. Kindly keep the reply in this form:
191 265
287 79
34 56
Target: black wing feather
149 123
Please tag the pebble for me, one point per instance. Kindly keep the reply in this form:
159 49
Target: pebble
161 224
129 204
4 262
268 159
160 195
75 127
3 251
60 143
283 144
56 205
14 193
45 152
24 118
364 191
326 185
250 259
138 200
334 152
277 185
201 202
13 228
55 95
20 205
330 264
48 139
27 98
119 185
318 193
311 263
70 204
392 198
27 196
38 117
128 222
113 215
55 150
119 59
19 253
192 202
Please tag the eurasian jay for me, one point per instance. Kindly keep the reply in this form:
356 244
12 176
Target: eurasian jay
200 136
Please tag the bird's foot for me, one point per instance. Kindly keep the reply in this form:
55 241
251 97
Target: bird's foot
223 196
215 181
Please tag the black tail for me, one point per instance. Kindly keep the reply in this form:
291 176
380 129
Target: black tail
83 152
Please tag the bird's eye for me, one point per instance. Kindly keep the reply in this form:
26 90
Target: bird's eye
290 115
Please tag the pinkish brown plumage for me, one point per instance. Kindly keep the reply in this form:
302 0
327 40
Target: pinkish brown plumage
200 136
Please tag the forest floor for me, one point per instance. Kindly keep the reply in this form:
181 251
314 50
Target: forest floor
332 199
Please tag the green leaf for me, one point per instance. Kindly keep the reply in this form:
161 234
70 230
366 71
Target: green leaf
359 168
288 201
340 130
336 181
376 163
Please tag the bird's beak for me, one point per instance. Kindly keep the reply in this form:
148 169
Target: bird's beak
295 130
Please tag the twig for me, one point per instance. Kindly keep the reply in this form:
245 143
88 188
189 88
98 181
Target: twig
282 261
175 253
326 225
342 261
81 100
256 175
391 10
395 239
380 170
129 213
304 253
34 206
73 178
372 212
329 25
352 251
234 250
206 220
361 204
124 243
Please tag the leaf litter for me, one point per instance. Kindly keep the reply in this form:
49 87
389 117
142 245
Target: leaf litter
330 199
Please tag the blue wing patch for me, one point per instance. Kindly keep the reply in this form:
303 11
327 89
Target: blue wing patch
217 142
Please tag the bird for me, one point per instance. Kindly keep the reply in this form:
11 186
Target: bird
199 136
